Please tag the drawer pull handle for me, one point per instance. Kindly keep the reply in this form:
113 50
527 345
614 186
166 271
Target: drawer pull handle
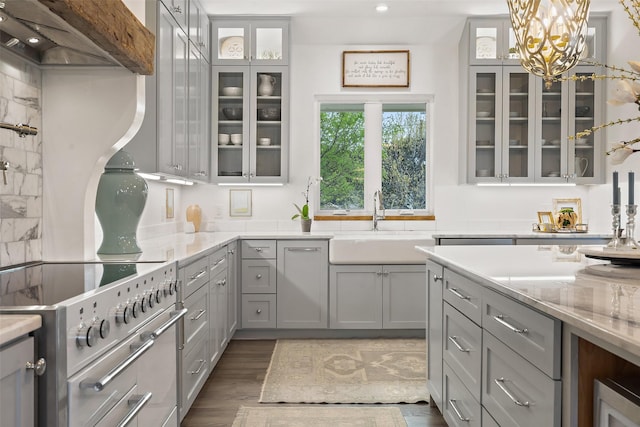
223 282
452 402
258 276
437 278
454 340
137 403
198 274
259 250
258 311
197 371
218 262
303 249
500 383
500 319
199 315
458 294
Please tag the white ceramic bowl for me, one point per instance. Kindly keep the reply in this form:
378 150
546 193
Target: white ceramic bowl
514 142
582 141
483 113
484 172
236 138
264 141
223 138
231 91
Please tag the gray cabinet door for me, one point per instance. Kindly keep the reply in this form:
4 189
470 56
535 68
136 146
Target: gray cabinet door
218 319
302 277
232 288
404 296
434 331
355 297
16 384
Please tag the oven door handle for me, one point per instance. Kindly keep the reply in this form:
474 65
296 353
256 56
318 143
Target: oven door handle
100 384
139 401
175 316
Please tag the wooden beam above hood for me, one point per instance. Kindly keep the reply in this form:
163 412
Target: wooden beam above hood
111 26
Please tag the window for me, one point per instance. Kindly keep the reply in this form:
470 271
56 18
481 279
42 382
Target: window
366 146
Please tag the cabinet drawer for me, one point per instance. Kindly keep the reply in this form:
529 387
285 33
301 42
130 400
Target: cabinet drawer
195 371
252 249
259 276
533 335
217 261
194 275
463 294
258 311
514 391
196 322
463 348
459 408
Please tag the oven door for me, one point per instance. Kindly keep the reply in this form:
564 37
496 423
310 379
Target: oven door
157 372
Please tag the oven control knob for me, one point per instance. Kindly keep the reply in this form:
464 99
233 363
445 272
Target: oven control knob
143 303
87 335
168 288
151 299
104 327
158 295
135 308
123 314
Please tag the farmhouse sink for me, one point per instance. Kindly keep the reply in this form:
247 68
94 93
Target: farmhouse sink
377 248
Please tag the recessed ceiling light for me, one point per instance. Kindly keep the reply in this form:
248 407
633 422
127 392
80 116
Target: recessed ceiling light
33 40
382 8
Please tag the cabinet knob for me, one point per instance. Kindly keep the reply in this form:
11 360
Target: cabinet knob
39 367
436 278
258 311
177 9
258 276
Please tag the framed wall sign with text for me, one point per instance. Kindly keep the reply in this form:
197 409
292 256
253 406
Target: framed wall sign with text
375 68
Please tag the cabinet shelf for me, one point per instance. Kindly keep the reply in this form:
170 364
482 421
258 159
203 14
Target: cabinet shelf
230 122
268 147
230 98
269 122
230 147
268 98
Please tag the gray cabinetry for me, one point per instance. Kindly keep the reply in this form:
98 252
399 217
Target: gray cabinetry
218 333
377 297
488 352
518 130
173 137
245 40
17 383
303 286
194 347
259 283
435 329
232 288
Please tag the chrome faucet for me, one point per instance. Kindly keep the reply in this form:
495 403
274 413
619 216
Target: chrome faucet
377 206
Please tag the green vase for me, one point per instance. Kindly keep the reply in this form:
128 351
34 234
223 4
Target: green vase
120 201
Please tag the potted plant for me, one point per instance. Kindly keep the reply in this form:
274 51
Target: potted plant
303 212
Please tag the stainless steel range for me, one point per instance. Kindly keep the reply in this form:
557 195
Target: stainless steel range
108 336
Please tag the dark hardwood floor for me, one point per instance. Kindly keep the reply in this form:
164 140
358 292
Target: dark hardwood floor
237 380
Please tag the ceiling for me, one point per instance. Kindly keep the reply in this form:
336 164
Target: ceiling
365 8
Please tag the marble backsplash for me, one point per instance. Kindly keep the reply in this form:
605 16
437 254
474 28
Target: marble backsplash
21 195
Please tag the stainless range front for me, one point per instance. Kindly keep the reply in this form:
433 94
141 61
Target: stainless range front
109 338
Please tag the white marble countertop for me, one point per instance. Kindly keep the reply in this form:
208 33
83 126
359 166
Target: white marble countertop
13 326
520 235
561 284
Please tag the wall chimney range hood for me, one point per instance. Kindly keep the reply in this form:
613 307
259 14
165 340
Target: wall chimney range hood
66 32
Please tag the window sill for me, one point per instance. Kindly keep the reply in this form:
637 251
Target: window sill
370 218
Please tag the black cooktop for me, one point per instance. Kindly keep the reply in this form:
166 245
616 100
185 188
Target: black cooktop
51 283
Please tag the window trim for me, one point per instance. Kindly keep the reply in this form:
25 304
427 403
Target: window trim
367 212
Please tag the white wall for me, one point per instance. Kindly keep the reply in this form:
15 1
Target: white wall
315 69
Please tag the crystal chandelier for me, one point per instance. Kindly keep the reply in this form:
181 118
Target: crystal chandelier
551 34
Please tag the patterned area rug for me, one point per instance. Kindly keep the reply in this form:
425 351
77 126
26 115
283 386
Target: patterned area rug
347 371
318 417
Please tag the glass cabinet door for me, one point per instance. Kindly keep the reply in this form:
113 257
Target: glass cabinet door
584 113
518 132
231 42
492 41
269 111
269 42
485 131
230 124
551 164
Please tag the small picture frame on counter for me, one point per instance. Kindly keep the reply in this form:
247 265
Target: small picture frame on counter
239 202
545 217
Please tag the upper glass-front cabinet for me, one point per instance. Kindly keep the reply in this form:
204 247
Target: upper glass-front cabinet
250 41
250 124
493 41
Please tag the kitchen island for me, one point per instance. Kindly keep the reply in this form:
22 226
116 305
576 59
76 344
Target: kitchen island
585 309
